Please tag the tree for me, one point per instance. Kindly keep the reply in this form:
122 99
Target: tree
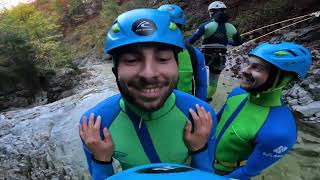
35 27
17 62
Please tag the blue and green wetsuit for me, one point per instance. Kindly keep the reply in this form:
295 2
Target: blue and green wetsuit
149 137
217 30
263 130
192 72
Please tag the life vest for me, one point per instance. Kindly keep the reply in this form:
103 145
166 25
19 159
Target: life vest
218 33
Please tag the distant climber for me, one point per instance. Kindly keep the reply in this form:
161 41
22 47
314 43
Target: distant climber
216 33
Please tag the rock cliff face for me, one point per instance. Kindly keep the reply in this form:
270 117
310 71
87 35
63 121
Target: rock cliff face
43 142
54 85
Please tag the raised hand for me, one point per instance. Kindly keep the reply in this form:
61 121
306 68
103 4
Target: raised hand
197 139
102 150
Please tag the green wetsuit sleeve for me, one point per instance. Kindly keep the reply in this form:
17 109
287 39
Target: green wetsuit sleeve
233 35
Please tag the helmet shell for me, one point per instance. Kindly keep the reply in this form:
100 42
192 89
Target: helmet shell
176 13
287 56
143 25
167 171
217 5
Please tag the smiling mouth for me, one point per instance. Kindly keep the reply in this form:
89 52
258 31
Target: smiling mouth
247 80
150 92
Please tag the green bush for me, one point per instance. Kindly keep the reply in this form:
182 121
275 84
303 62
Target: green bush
17 63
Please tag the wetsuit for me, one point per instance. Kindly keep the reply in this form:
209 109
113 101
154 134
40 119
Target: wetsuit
217 30
262 130
149 137
192 72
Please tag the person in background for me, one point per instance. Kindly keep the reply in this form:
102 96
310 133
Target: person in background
149 121
255 127
219 33
192 70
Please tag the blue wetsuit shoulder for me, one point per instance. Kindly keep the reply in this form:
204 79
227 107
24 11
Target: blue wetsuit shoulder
204 159
108 110
200 76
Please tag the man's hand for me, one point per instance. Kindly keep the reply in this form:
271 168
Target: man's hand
102 150
202 127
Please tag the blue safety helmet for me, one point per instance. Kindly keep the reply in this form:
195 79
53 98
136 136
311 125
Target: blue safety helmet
176 13
166 171
286 56
143 25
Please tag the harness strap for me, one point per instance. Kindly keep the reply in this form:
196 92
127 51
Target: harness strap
231 164
230 120
227 124
144 136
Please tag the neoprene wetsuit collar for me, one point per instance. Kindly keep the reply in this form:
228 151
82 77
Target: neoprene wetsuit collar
147 115
272 96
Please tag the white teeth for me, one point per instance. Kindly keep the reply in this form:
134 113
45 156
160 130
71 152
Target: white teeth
151 90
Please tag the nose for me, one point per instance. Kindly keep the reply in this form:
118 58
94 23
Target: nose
245 69
149 68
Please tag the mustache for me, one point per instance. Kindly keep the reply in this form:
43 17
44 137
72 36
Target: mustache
246 75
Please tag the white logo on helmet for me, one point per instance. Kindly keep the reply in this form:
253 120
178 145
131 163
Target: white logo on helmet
144 27
144 24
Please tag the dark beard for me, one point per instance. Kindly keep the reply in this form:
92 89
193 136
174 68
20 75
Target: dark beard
258 89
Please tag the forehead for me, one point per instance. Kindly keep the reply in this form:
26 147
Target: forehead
258 61
139 48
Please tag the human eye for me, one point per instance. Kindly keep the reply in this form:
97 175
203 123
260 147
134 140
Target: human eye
258 68
129 59
165 56
164 59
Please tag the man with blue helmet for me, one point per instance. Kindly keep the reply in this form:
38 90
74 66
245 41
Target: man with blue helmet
216 33
192 70
148 122
255 128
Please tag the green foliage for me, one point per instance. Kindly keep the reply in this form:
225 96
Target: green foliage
17 63
109 11
135 4
76 7
38 29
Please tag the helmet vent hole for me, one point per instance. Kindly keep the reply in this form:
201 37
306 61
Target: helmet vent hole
303 51
293 53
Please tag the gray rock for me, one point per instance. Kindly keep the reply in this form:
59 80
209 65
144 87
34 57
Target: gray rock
304 100
43 142
315 91
293 102
302 93
309 109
